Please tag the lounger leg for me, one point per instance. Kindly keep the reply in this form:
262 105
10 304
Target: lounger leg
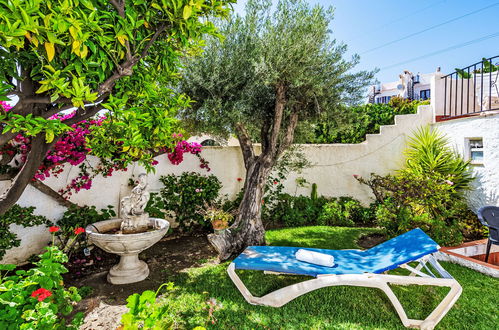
438 313
489 245
284 295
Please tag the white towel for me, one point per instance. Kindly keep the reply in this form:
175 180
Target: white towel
315 258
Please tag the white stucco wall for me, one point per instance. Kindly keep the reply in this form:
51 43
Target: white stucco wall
486 185
333 167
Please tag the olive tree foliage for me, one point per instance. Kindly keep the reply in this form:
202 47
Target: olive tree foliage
273 69
90 55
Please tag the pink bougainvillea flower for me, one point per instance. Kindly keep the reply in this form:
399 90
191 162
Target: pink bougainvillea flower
79 230
41 294
356 176
54 229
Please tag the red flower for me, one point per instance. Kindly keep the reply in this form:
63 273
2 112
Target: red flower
79 230
239 179
54 229
275 182
41 294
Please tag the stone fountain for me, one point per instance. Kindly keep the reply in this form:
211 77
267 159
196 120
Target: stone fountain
129 236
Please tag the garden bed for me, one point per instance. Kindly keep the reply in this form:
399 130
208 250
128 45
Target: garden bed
169 256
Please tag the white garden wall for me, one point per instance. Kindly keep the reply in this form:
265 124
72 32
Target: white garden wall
333 167
486 185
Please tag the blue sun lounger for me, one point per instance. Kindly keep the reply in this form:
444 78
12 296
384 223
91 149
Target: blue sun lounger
353 267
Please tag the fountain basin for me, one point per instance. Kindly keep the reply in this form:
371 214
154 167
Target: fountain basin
130 269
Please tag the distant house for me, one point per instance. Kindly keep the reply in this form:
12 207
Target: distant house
409 86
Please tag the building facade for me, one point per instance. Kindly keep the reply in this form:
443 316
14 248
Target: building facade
409 86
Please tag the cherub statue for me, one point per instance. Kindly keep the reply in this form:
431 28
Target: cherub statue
132 207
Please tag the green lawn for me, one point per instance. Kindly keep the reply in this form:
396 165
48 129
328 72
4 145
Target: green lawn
329 308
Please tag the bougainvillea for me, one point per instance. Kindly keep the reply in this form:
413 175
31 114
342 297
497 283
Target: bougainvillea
72 148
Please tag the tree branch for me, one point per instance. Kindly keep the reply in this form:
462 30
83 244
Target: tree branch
44 100
52 193
89 112
126 69
120 7
264 134
290 133
280 103
6 137
245 143
38 151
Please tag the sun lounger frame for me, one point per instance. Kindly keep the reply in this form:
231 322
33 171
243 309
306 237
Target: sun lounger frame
284 295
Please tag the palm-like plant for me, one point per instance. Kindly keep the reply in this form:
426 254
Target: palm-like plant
429 152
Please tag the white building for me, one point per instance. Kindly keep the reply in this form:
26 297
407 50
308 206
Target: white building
409 86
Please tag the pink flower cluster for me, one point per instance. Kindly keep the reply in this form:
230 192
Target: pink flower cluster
6 107
70 148
177 155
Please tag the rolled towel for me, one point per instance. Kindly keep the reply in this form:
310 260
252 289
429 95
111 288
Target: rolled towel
315 258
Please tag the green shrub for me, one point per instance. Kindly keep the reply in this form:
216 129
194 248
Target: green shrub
36 298
78 217
185 195
345 211
429 152
410 200
352 124
471 227
292 211
18 215
427 192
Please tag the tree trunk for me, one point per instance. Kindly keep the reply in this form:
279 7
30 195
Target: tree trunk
35 157
248 228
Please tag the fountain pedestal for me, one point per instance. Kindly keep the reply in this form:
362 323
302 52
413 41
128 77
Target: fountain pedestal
130 269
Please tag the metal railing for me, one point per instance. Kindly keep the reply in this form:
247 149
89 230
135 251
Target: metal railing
473 89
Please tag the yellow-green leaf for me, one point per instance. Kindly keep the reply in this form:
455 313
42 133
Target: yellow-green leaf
84 51
121 39
49 136
50 49
76 47
43 88
187 12
73 31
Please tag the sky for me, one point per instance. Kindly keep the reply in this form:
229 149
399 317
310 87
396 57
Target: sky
371 29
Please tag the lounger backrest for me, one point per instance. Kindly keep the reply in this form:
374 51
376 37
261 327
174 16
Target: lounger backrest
402 249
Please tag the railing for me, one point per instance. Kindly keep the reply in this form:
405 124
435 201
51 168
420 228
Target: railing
472 90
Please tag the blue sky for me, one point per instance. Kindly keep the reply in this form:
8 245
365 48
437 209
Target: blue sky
367 24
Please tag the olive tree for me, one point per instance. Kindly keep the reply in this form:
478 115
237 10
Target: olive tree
273 69
90 55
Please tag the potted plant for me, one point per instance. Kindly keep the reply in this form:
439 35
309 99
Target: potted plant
218 218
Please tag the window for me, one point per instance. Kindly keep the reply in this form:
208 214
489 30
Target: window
424 94
383 99
475 150
209 143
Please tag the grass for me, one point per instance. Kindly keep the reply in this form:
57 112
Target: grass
329 308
